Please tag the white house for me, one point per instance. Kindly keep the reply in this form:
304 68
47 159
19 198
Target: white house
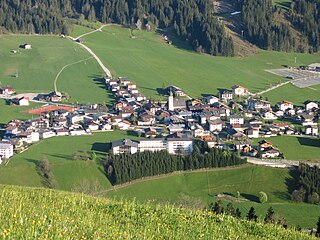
215 125
236 119
272 153
284 105
78 132
212 99
155 144
8 90
258 104
311 105
269 115
124 146
24 101
27 46
312 130
252 132
179 145
239 90
47 134
6 150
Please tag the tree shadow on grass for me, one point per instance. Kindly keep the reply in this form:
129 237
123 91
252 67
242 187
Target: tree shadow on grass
175 40
250 197
62 156
100 147
311 142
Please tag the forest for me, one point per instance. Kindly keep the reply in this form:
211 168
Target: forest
125 167
308 189
191 20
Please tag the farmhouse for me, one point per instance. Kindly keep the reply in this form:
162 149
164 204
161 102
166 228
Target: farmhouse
239 90
24 101
272 153
27 46
226 95
311 106
257 104
124 146
284 105
7 90
6 150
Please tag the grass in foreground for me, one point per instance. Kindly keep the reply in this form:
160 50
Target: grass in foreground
38 213
150 62
198 189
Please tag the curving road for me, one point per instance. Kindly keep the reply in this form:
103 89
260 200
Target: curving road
104 68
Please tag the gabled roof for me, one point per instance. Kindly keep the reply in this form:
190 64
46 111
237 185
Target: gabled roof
124 142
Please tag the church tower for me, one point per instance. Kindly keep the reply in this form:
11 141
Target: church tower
170 102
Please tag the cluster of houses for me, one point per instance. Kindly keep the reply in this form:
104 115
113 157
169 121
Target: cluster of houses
175 123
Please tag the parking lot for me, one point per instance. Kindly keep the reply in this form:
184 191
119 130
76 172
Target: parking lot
300 78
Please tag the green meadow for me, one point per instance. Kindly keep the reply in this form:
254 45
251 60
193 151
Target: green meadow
146 59
59 151
11 112
296 148
201 188
35 70
30 213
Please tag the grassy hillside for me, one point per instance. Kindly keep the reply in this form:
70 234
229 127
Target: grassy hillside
37 68
297 148
198 189
44 214
150 62
69 173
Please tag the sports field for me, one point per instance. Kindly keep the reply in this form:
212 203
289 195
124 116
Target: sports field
149 61
35 70
199 189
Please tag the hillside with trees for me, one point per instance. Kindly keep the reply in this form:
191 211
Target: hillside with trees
191 20
125 167
194 21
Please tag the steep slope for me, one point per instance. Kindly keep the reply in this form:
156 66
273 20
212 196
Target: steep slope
27 213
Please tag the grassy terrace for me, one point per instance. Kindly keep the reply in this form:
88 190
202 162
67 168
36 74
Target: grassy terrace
150 62
37 68
68 172
198 189
36 213
10 112
297 148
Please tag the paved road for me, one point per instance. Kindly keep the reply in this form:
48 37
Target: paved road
272 88
280 163
104 68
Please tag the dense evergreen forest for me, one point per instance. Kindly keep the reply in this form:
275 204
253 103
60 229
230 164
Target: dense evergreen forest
308 189
305 15
192 20
261 29
125 167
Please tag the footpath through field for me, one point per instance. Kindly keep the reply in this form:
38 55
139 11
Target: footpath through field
64 67
76 40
